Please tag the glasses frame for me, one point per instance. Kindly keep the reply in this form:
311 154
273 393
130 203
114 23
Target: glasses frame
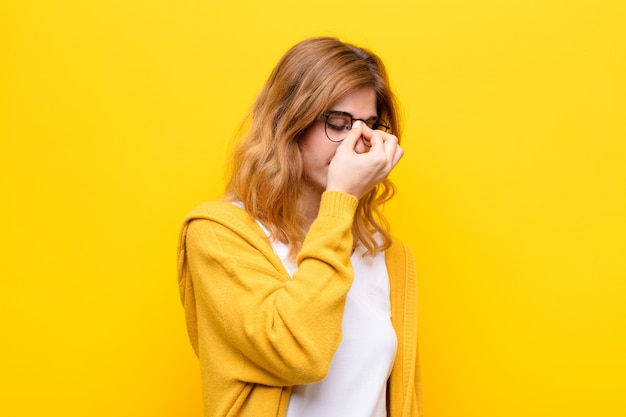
377 124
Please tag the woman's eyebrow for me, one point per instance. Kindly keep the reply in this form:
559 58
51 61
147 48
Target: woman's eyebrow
351 116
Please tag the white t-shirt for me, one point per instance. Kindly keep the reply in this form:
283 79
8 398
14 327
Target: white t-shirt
356 384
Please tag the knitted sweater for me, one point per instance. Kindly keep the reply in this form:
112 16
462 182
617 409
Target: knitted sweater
257 332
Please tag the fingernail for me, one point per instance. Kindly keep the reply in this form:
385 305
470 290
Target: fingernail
356 124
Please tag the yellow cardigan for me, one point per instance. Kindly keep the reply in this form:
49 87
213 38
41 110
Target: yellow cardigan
257 332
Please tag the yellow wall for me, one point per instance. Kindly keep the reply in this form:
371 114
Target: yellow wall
115 118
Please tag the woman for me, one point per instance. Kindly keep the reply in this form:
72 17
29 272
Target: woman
298 301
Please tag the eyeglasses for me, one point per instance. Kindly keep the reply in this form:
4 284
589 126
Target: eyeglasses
337 124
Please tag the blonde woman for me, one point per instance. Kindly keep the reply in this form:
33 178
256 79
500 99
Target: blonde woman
298 301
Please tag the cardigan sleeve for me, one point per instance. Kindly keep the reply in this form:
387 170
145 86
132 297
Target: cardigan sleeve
285 330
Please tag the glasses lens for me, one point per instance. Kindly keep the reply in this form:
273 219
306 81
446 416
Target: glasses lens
382 125
337 126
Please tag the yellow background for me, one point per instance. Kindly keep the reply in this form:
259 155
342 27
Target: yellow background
115 120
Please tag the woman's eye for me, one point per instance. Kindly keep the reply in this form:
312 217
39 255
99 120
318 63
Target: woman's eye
373 123
339 122
339 128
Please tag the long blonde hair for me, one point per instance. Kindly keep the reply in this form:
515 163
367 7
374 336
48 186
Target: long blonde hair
267 164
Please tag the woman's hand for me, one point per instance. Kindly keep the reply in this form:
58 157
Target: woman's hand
356 173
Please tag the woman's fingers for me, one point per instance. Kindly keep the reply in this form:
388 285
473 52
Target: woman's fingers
353 136
357 172
385 141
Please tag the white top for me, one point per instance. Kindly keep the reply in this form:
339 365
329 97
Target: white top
356 384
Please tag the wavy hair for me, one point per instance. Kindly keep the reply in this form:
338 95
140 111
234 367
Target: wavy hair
266 166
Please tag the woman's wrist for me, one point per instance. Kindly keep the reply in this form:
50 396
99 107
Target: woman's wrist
337 204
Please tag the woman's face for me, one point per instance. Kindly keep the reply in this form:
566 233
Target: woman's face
317 150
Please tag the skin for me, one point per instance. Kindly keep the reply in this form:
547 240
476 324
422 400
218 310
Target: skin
355 165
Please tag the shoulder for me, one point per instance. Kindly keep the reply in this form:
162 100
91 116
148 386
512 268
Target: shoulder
222 212
399 251
216 210
224 216
400 263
